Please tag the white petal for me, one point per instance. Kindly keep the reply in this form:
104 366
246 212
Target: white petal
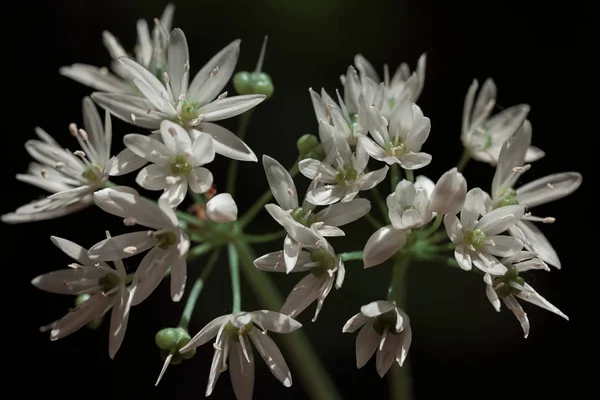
500 219
222 208
548 188
534 240
382 245
355 322
117 247
175 138
302 295
241 370
270 353
274 262
474 207
149 85
367 341
69 281
491 293
533 297
463 257
123 106
274 321
344 213
153 177
412 161
281 183
377 308
512 155
373 178
291 251
203 150
73 250
178 278
503 245
118 321
488 263
221 353
387 355
310 168
125 162
226 142
148 148
94 77
453 228
373 149
516 308
207 333
80 316
200 179
151 272
177 57
230 106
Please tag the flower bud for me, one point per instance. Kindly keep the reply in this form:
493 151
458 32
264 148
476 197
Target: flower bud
170 340
309 147
253 83
449 194
222 208
94 323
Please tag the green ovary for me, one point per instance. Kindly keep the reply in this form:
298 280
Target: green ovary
508 197
181 166
235 332
109 282
345 175
353 122
502 284
475 238
166 240
385 320
304 217
326 262
93 174
189 109
395 149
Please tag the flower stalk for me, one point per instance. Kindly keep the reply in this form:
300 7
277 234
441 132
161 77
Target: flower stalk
234 270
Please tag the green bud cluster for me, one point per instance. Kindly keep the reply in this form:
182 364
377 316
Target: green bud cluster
326 262
309 147
170 340
253 83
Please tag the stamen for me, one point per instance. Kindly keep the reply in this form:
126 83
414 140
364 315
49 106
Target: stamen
83 134
222 96
290 192
550 186
520 170
44 173
173 132
79 153
132 118
129 221
261 57
130 250
59 165
214 71
166 77
75 265
73 128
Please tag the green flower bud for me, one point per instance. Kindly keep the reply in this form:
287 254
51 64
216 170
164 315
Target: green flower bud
96 322
326 262
170 340
253 83
309 147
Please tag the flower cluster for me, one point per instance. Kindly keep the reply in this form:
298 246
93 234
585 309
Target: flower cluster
372 132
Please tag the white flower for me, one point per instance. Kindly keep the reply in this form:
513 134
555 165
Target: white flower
401 141
510 286
167 243
149 52
177 162
477 239
105 285
193 106
322 263
403 84
543 190
297 220
483 135
385 329
449 194
342 172
221 208
233 333
408 208
71 177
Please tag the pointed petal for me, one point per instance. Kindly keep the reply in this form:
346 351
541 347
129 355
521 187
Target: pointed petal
230 106
150 273
73 250
125 162
123 106
274 321
500 219
355 323
382 245
533 239
272 356
177 58
367 341
114 248
516 308
118 320
503 245
80 316
548 188
69 281
281 183
207 333
149 85
274 262
302 295
291 251
241 370
226 143
533 297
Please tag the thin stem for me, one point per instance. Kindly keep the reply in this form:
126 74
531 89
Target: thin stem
233 166
395 176
262 200
437 237
197 198
352 256
190 303
380 203
234 269
313 375
249 238
198 250
433 227
410 176
376 224
464 159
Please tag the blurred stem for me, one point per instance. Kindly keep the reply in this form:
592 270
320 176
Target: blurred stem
464 159
448 261
234 164
410 176
380 203
197 198
437 237
262 200
234 269
314 377
268 237
395 176
399 378
433 227
352 256
376 224
190 303
198 250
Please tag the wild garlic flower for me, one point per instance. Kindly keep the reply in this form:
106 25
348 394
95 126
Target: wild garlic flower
192 105
342 173
150 52
322 263
71 176
176 162
449 194
477 233
399 140
511 165
483 135
106 287
221 208
233 334
168 244
403 84
510 286
384 328
408 208
298 220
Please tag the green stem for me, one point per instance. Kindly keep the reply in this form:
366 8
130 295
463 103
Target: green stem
380 203
376 224
262 200
448 261
234 269
437 237
433 227
249 238
233 166
197 198
313 375
352 256
198 250
400 377
192 299
410 176
464 159
395 176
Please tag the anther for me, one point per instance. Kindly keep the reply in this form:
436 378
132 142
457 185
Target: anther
550 186
43 172
132 118
73 128
129 221
290 192
173 132
222 96
214 71
79 153
83 134
130 250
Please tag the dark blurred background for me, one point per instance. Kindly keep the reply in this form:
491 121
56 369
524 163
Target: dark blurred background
461 348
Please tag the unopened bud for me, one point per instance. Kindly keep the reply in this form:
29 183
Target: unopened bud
449 193
170 340
253 83
309 147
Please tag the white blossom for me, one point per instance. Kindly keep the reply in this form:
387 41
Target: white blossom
477 233
192 105
449 194
233 334
509 286
384 328
167 243
105 286
149 52
71 177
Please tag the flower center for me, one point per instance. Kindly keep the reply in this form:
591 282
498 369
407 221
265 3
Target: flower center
345 175
234 332
475 238
109 282
326 262
304 217
507 197
395 148
385 320
93 174
189 109
181 166
166 239
502 285
353 122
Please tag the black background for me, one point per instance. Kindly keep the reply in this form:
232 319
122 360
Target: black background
461 347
